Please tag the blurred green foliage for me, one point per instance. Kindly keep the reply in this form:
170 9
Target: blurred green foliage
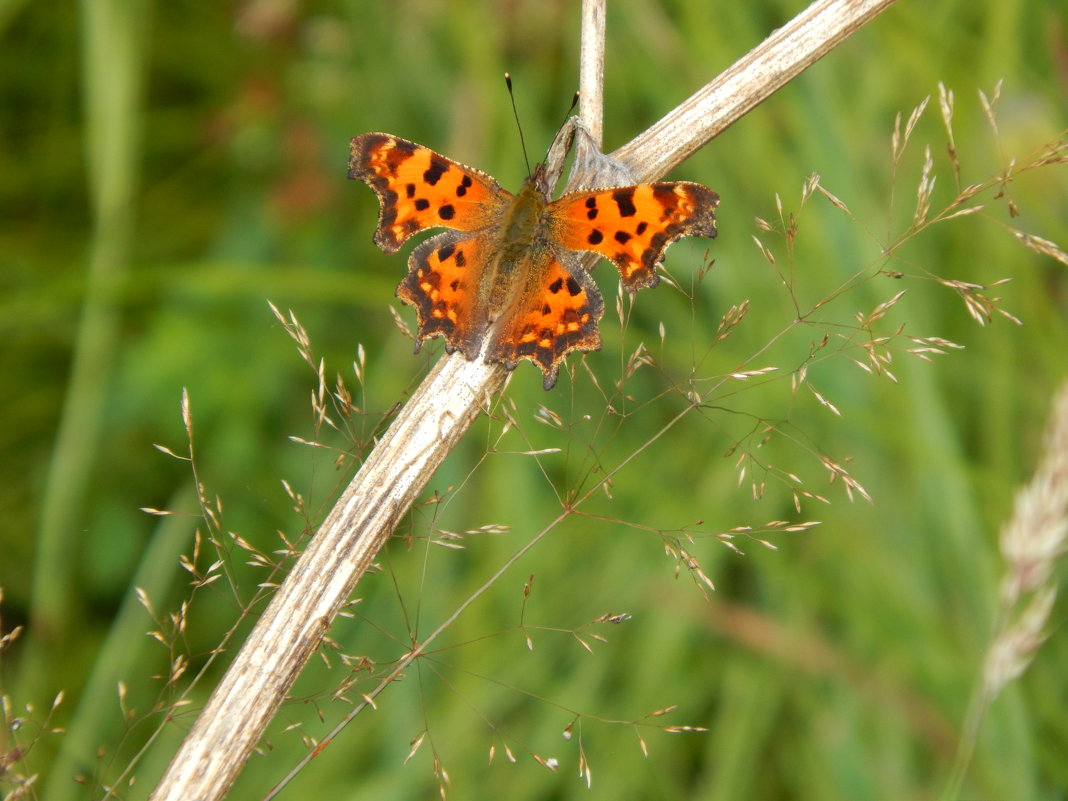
167 168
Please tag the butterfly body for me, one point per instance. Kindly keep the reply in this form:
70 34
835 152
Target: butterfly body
518 247
507 271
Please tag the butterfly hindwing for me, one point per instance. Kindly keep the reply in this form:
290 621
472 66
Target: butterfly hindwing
419 189
633 226
442 285
557 314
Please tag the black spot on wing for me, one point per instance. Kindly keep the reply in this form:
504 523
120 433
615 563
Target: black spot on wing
436 169
624 199
651 255
665 195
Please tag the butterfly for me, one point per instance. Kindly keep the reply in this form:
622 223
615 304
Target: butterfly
505 280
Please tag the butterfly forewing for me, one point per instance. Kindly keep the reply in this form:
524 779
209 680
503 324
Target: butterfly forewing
633 226
419 189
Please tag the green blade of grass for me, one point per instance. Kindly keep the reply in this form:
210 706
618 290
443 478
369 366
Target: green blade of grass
113 37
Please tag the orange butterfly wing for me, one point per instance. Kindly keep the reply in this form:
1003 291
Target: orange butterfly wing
632 226
555 312
443 284
418 189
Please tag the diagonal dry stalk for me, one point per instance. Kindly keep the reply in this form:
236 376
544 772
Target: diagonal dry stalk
443 407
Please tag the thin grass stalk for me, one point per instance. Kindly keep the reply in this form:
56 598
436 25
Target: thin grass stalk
124 646
435 418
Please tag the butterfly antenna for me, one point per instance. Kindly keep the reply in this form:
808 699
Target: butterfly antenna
515 113
570 109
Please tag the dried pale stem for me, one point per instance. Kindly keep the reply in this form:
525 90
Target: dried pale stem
301 611
435 418
591 69
751 80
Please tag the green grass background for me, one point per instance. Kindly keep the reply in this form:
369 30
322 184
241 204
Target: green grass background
166 168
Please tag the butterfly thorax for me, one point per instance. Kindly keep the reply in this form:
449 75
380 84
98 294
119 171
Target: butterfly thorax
517 240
